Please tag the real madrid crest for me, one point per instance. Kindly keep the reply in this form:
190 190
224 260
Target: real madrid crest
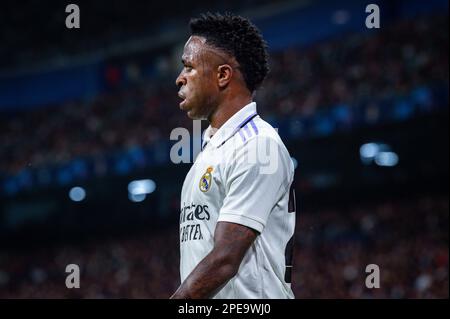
206 180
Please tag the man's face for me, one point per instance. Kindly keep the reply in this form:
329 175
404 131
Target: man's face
198 79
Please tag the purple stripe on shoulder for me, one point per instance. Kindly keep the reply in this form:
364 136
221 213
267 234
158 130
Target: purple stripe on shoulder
254 127
249 117
247 130
242 136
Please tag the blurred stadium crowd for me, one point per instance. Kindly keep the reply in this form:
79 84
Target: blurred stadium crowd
407 239
404 67
359 79
97 32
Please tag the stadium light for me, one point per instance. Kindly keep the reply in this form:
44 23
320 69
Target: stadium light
136 198
138 190
379 153
369 150
77 194
388 159
139 187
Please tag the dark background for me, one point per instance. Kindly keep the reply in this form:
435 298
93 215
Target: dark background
93 108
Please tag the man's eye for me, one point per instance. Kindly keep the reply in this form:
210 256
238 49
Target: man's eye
187 68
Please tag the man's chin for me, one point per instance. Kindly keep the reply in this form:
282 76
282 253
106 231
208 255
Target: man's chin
191 114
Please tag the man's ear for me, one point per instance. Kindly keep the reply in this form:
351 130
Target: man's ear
224 75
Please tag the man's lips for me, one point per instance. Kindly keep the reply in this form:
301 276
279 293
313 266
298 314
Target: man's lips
183 97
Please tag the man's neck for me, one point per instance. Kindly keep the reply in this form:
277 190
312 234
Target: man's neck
227 109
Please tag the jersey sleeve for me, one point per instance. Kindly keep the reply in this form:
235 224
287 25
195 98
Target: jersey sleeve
255 182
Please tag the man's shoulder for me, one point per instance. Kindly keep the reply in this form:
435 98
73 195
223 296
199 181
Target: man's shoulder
256 138
257 147
264 132
256 128
266 129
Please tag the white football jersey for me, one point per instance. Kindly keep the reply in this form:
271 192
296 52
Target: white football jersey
242 175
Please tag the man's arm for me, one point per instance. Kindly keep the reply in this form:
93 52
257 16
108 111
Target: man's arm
231 242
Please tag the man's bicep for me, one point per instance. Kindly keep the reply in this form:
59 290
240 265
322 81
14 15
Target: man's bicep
233 240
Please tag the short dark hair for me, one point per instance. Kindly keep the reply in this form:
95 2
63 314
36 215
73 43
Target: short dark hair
237 36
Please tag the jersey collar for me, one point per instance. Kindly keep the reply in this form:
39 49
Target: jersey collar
230 127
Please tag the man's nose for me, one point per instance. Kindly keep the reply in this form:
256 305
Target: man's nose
180 81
